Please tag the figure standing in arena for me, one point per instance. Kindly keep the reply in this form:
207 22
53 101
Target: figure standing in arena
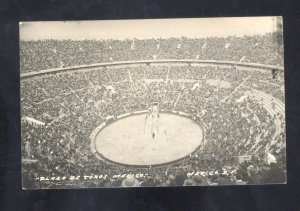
151 121
274 73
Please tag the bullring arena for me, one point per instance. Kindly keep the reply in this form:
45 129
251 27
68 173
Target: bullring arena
132 145
157 118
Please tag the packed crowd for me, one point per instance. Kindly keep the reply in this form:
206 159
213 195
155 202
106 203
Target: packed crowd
73 104
46 54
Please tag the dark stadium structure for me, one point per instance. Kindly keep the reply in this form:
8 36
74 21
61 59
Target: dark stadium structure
68 88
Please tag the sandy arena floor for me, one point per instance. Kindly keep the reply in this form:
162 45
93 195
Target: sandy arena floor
126 140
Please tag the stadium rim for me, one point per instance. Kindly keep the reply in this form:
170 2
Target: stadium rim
32 74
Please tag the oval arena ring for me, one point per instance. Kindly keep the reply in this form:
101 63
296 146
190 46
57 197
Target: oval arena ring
127 141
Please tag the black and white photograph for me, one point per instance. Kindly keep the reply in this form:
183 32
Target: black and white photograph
152 103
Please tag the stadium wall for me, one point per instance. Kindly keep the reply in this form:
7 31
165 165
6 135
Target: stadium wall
148 62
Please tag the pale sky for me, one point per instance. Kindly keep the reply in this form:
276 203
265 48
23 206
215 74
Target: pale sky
149 28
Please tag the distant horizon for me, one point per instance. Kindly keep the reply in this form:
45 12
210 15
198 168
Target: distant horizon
192 28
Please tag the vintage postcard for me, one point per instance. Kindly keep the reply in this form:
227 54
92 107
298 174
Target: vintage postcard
152 103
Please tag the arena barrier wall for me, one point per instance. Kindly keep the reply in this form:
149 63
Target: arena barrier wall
148 62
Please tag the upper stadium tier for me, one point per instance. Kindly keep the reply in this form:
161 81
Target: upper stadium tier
48 54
